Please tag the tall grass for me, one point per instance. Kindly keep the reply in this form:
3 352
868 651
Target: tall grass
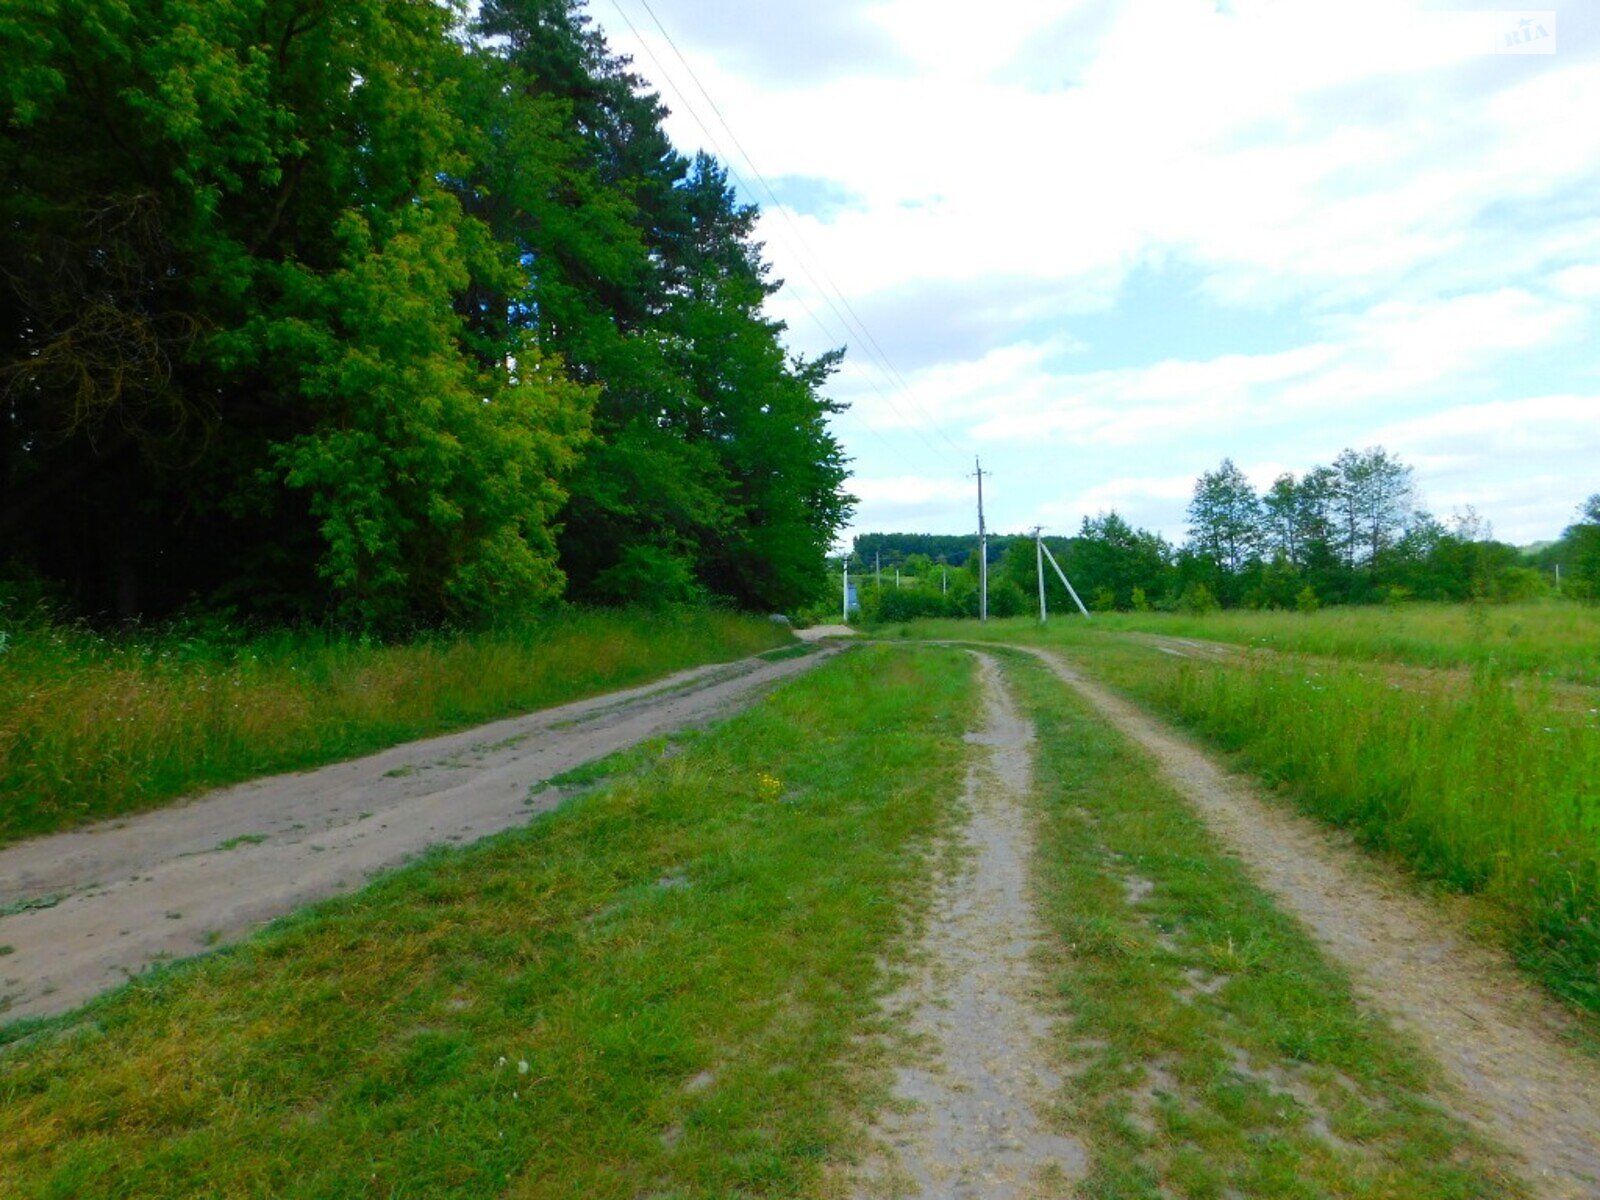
1493 791
1551 638
94 726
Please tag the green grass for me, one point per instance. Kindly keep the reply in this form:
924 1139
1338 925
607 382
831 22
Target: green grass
1486 788
1212 1051
1557 639
652 991
1489 790
92 727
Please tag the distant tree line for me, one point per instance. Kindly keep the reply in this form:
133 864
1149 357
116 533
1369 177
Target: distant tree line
374 311
1352 532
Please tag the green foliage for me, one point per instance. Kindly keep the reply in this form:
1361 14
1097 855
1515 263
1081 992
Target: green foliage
651 577
1225 517
1306 601
347 313
897 549
1007 599
1197 600
1581 546
1347 534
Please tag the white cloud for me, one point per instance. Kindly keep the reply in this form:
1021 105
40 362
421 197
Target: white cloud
913 502
1579 283
1422 206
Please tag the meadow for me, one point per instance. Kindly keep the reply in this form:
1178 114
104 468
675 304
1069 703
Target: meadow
1560 641
95 725
1483 782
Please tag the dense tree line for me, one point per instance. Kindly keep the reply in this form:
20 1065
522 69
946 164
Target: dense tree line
362 308
1352 532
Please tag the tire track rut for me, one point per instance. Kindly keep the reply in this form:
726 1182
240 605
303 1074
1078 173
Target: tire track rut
90 908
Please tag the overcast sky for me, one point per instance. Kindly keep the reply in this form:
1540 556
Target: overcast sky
1105 243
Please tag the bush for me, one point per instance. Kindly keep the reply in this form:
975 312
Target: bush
650 577
1006 599
910 604
1197 600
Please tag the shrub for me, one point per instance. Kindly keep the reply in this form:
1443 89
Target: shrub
650 577
1197 600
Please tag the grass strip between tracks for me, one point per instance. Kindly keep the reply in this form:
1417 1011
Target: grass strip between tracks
1213 1051
649 991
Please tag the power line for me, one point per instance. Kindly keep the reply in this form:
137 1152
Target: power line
799 238
828 334
850 322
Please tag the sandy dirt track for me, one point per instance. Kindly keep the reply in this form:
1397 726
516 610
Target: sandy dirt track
1501 1041
968 1121
111 899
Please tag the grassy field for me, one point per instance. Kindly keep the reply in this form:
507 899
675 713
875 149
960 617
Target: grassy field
1484 788
653 990
93 727
1558 640
1214 1052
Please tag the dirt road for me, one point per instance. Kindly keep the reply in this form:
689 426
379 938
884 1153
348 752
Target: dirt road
969 1120
1501 1042
89 908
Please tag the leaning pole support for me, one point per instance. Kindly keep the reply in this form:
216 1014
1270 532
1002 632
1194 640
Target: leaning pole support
1064 579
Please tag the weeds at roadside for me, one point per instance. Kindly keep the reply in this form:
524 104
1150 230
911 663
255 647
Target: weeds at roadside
92 726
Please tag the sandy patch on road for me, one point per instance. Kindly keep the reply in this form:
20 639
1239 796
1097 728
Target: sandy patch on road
817 632
109 900
1502 1042
969 1121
